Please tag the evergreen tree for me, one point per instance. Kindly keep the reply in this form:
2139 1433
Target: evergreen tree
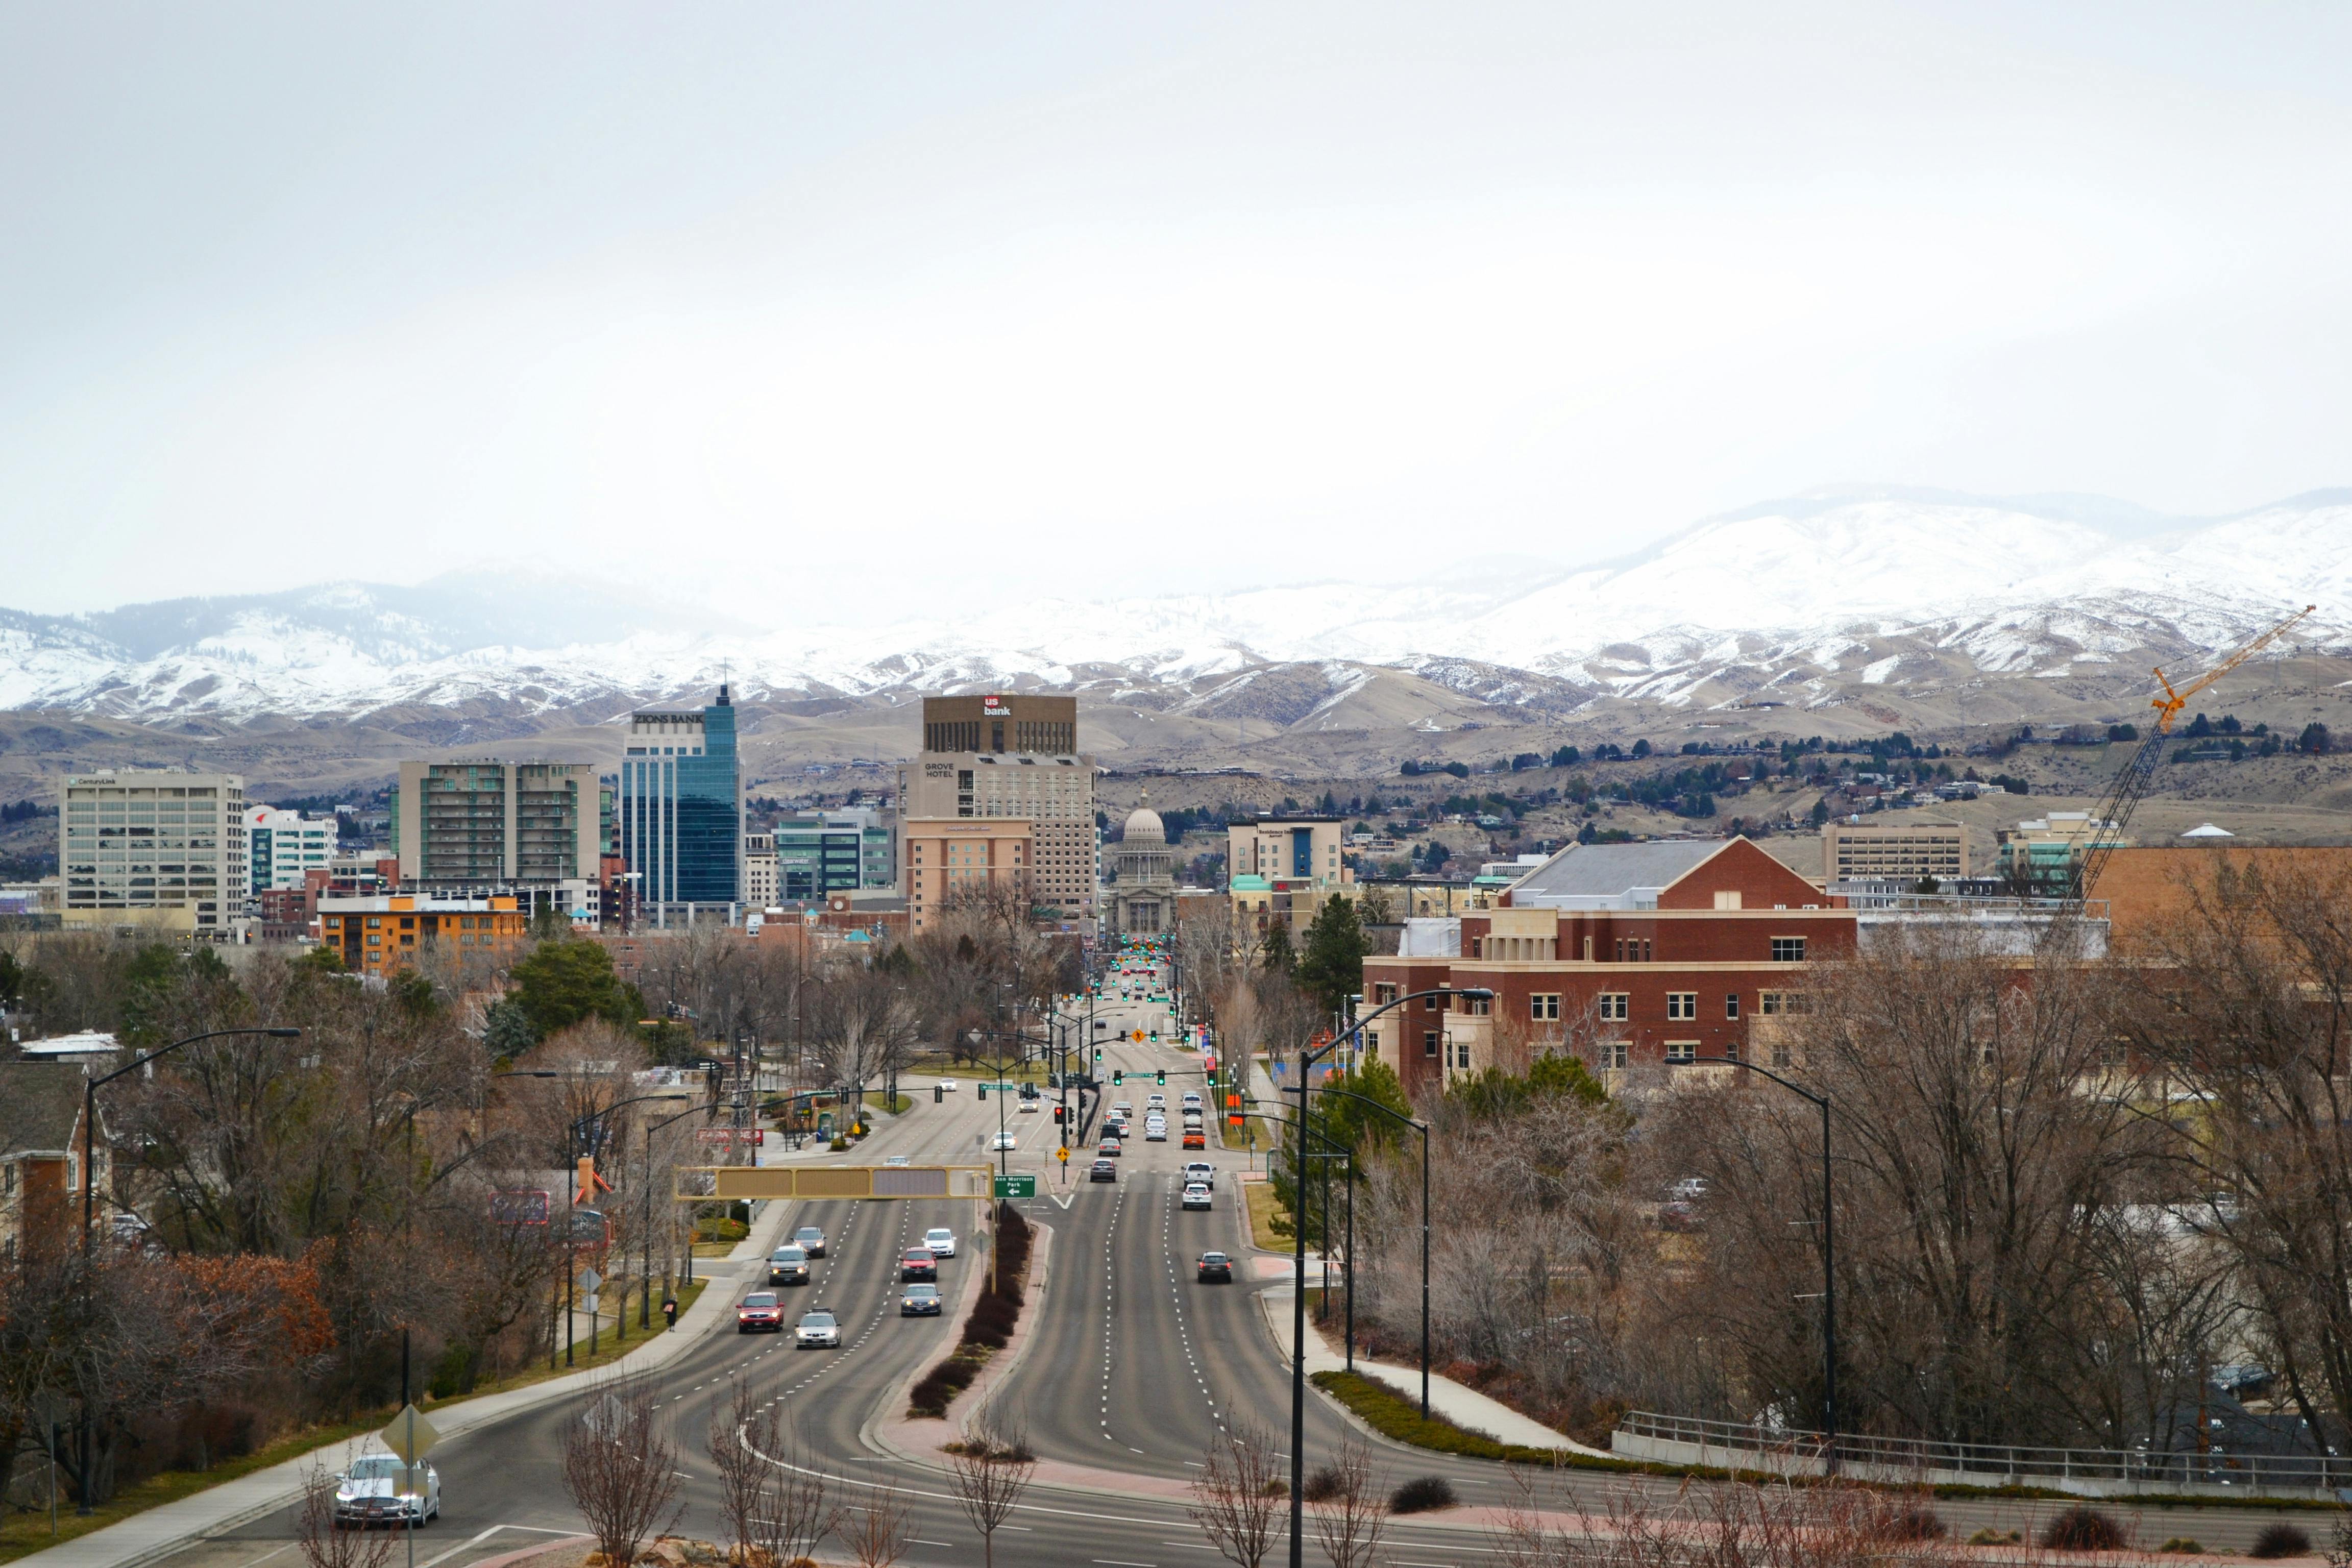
1332 970
1274 953
561 983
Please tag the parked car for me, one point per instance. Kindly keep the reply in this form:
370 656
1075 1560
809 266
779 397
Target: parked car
1688 1190
809 1239
917 1263
379 1490
1680 1216
919 1301
818 1327
1216 1269
760 1314
1102 1170
788 1266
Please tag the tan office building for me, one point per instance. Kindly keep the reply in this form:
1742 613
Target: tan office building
1907 852
1053 790
946 856
153 848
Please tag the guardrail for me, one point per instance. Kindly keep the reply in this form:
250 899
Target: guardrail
2089 1470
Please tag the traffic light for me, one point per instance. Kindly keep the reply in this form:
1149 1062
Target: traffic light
1060 1111
1098 1053
938 1095
1161 1077
983 1090
1117 1076
1155 1040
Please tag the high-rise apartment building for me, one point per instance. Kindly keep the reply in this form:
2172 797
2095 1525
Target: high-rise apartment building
1012 757
281 845
153 847
681 807
480 823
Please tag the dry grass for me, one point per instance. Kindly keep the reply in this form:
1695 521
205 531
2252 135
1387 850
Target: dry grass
1263 1207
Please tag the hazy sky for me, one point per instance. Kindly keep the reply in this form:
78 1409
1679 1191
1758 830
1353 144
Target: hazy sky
841 309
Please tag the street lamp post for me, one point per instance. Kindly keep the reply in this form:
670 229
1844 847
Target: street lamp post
89 1184
1829 1252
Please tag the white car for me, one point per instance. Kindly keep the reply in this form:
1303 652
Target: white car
379 1490
1029 1107
1156 1131
948 1085
941 1241
1200 1174
1196 1196
1003 1141
1155 1102
818 1327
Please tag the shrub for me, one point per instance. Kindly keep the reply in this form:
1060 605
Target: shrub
2281 1540
2083 1529
1323 1483
1989 1536
1897 1521
1422 1494
2188 1545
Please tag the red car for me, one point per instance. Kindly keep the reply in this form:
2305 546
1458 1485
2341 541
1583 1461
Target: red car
918 1263
760 1314
1194 1139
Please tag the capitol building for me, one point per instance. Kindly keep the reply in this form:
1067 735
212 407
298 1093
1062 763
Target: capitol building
1143 901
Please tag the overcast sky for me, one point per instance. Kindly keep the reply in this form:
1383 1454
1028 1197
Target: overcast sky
835 310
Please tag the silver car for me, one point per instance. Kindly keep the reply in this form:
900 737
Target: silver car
379 1490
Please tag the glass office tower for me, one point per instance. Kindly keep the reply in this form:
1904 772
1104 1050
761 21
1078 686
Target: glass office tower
681 806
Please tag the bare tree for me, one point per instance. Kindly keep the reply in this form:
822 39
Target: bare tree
1353 1513
621 1471
799 1510
1238 1493
325 1543
991 1471
874 1528
743 1433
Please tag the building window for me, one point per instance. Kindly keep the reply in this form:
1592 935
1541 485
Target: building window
1790 1004
1682 1050
1780 1055
1384 993
1429 1043
1615 1006
1478 1006
1682 1006
1788 949
1731 1003
1461 1056
1544 1007
1616 1053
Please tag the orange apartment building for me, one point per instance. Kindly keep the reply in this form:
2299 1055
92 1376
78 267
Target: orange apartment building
943 856
375 936
1661 951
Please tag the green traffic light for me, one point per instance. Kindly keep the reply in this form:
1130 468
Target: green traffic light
1119 1075
1163 1076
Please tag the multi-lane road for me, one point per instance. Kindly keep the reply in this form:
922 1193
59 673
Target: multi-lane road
1129 1369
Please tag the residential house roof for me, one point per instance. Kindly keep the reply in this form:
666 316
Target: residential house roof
40 1105
1613 876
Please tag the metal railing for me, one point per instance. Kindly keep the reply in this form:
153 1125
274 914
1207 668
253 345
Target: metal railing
1996 1463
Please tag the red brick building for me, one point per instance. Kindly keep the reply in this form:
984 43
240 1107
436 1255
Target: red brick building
1637 952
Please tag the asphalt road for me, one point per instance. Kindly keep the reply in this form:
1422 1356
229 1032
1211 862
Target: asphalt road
1133 1367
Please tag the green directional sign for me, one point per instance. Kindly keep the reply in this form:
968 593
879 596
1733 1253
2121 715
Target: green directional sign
1016 1186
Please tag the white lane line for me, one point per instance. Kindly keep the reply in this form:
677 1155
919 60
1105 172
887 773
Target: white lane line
291 1544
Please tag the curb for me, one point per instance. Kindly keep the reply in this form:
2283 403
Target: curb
527 1552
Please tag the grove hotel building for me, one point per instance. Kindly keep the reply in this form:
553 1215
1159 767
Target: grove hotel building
1011 757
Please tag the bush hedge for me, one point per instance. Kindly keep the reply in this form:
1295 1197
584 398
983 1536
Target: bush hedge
989 1328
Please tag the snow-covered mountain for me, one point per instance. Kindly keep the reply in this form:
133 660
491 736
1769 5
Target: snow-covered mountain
1798 601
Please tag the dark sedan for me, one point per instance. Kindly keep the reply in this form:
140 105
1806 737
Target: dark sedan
1216 1268
1103 1171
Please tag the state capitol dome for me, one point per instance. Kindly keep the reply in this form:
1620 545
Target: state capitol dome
1143 823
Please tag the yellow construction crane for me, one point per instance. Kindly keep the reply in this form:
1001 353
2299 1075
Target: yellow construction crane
2132 783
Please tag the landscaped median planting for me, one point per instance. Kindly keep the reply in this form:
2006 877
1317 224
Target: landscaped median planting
990 1326
1393 1415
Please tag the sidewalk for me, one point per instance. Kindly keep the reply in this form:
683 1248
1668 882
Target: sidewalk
144 1537
1464 1406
